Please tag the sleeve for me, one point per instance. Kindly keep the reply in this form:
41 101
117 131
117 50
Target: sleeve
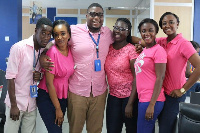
186 49
52 53
132 52
14 61
160 55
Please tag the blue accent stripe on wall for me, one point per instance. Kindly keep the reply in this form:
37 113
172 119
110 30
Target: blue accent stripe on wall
11 25
51 12
196 27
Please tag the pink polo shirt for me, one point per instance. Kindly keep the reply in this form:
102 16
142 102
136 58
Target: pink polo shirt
179 50
84 53
20 67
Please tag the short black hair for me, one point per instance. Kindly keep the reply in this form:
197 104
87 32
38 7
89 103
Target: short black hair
168 13
125 20
149 20
195 45
94 5
58 22
44 21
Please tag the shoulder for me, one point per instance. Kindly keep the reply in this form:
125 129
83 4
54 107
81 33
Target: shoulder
21 45
130 47
160 39
52 50
78 26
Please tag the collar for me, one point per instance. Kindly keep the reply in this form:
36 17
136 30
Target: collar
101 30
30 41
176 39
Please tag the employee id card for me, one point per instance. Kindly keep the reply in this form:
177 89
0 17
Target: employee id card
33 91
97 65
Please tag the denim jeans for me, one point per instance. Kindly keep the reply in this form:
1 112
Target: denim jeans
47 111
115 115
147 126
168 117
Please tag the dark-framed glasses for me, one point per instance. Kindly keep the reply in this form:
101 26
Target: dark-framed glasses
94 14
119 28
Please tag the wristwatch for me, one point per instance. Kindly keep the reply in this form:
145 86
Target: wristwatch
182 90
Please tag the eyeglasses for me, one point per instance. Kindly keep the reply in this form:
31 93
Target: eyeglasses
119 28
94 14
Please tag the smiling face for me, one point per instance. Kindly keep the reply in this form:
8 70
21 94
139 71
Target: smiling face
43 35
61 35
95 19
148 33
120 31
170 25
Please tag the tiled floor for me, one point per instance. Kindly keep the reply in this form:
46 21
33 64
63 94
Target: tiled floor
40 127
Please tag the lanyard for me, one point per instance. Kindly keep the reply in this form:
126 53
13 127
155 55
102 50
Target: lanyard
97 43
34 58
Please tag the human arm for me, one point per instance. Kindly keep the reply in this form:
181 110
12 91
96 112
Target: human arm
53 96
36 76
45 61
160 74
195 62
187 72
133 96
139 43
14 110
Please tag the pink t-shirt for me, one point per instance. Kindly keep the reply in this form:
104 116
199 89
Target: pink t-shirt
145 72
179 50
85 79
64 68
20 68
117 67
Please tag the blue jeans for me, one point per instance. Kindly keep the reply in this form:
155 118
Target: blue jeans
47 111
115 115
168 117
147 126
194 88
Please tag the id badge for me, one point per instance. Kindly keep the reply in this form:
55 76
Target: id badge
97 65
33 91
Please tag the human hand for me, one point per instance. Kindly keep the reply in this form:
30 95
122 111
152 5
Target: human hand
128 111
59 117
176 93
36 76
149 112
45 62
14 113
139 48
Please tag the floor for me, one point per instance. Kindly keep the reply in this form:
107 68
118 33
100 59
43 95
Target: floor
40 127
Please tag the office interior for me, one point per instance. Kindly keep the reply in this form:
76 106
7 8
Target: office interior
15 19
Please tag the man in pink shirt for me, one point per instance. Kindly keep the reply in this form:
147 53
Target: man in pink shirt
22 74
87 86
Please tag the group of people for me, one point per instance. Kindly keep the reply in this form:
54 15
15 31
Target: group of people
72 75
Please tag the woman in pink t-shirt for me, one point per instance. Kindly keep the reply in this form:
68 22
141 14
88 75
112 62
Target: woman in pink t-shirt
53 88
119 67
150 69
179 51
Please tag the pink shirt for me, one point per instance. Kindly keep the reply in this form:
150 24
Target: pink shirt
84 53
64 68
117 67
179 50
145 72
20 68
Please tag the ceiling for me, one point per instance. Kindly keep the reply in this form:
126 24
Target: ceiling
70 4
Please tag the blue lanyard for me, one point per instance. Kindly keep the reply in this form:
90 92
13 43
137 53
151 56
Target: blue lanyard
97 43
34 58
